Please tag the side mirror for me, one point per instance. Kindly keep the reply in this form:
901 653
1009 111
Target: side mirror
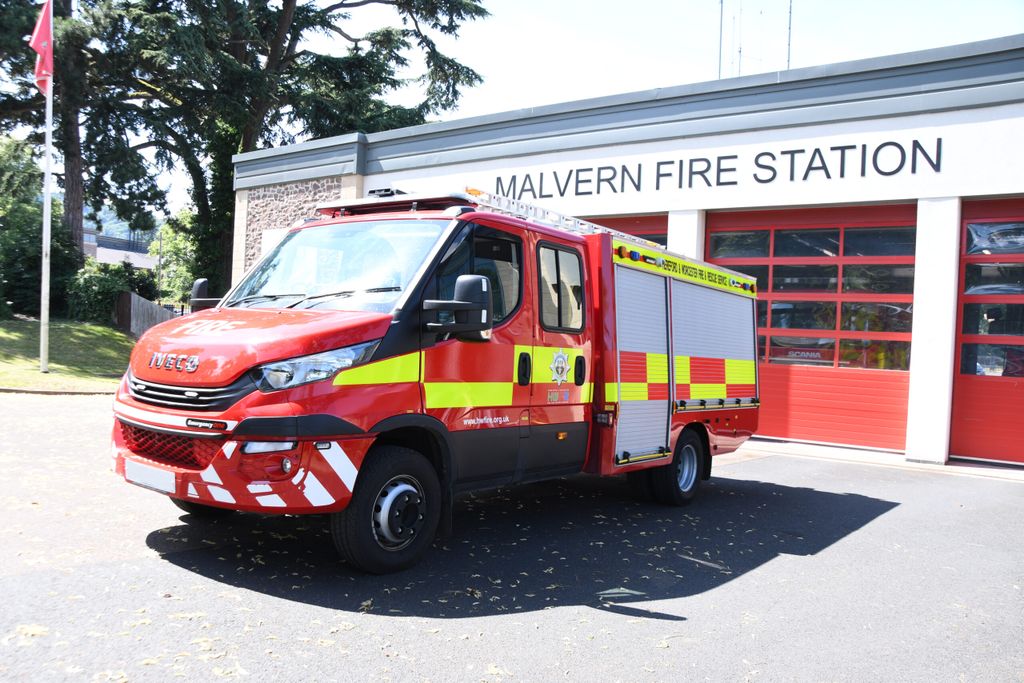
472 307
200 298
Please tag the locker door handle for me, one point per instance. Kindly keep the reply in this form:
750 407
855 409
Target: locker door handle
524 369
580 375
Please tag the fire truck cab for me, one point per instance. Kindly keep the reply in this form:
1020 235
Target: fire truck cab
395 352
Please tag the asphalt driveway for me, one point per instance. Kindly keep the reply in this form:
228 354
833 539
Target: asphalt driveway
786 568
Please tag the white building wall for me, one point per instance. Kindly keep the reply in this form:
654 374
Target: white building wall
686 233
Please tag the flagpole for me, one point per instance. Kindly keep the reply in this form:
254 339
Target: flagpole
44 294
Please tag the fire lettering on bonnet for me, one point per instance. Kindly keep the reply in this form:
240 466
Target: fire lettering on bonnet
208 326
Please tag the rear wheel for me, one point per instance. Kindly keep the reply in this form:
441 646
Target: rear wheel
677 482
391 520
201 511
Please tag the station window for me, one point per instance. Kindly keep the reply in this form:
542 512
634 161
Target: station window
992 300
836 294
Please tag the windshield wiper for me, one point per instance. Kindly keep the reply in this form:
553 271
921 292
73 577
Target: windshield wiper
345 293
258 297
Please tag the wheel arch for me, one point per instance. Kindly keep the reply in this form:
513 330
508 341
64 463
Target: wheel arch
424 434
701 430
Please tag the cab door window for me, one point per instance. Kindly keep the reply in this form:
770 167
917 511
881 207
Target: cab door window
561 289
483 251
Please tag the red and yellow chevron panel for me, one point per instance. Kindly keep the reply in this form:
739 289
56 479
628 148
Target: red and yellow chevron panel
644 377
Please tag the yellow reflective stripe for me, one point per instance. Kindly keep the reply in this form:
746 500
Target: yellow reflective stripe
404 368
633 391
740 371
657 368
611 392
682 368
707 391
587 392
467 394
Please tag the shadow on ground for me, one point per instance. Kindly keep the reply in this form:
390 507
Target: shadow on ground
579 541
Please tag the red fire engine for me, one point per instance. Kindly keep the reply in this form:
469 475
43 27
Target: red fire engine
395 352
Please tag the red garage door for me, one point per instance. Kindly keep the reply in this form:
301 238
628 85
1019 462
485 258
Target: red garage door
988 391
834 317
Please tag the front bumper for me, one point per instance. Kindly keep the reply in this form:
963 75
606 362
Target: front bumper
165 452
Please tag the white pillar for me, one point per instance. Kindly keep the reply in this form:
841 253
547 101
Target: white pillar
933 343
686 233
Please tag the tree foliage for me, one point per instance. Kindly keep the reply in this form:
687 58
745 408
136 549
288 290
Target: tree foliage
21 226
175 247
190 83
93 292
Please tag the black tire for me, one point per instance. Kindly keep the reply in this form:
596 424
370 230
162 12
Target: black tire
677 482
392 518
201 511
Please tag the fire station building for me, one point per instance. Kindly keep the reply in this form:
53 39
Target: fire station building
879 203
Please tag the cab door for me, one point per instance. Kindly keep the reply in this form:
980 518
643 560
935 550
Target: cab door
471 386
561 360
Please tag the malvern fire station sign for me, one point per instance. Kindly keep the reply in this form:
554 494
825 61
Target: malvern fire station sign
944 154
800 164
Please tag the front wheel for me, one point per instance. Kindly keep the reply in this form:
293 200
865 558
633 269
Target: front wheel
391 520
677 482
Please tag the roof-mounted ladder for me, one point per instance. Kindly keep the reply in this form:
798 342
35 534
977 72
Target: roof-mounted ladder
482 200
520 209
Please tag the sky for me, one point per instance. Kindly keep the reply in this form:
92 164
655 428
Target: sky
536 52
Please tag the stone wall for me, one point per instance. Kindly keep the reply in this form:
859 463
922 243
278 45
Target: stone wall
279 206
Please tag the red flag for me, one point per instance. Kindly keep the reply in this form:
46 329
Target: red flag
42 43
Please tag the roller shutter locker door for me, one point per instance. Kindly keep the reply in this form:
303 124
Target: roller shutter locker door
641 321
713 344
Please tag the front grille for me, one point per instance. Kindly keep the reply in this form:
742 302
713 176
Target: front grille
170 449
190 398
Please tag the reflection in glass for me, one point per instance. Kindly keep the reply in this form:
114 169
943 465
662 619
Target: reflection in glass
806 315
879 241
879 279
759 273
570 285
874 354
789 243
805 278
994 278
802 351
549 288
761 346
992 360
762 313
869 317
994 319
358 266
995 238
742 244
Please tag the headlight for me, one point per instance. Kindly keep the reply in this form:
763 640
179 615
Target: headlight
294 372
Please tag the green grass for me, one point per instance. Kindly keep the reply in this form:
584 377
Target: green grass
83 356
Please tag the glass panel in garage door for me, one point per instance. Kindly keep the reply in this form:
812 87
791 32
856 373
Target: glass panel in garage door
988 390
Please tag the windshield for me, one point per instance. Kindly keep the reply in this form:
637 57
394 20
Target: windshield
361 266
